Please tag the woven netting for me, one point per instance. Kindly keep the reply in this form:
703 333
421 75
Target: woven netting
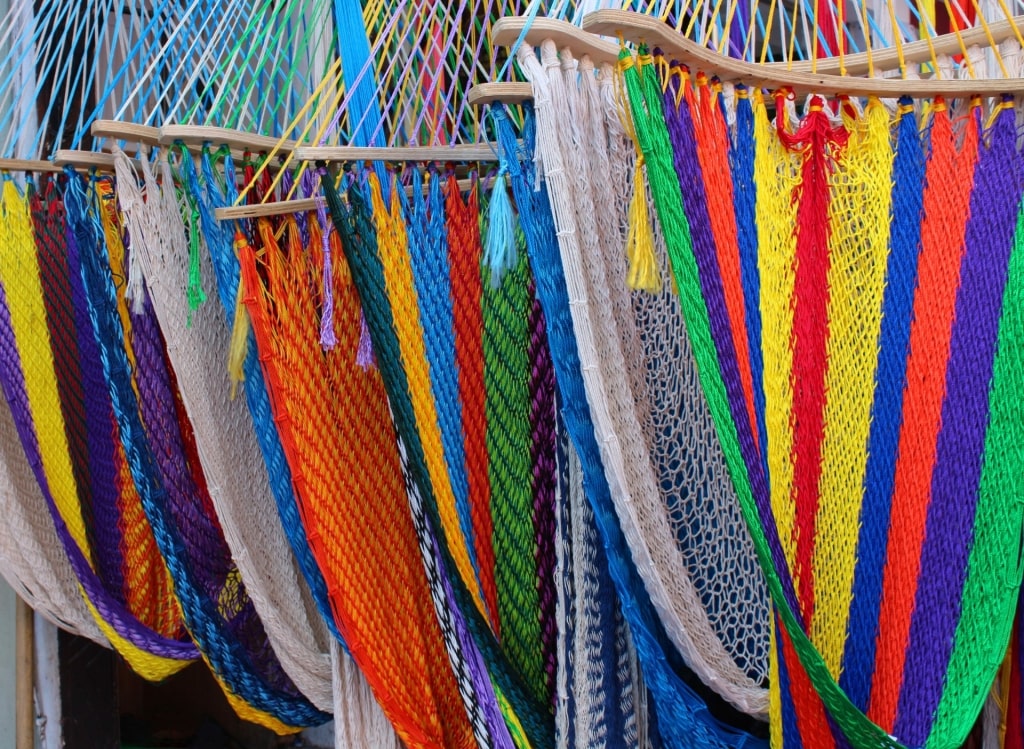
163 458
876 474
333 420
226 442
31 558
65 422
660 452
682 716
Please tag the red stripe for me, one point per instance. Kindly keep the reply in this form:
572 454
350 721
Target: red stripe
942 241
811 718
810 334
464 250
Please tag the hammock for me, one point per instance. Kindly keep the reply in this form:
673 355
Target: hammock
649 441
165 467
835 442
123 579
381 603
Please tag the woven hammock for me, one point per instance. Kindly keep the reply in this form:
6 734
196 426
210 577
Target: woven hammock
172 488
121 575
730 653
889 630
379 593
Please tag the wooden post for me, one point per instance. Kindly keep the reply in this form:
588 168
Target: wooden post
25 711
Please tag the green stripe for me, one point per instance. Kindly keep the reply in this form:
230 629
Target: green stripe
993 570
506 381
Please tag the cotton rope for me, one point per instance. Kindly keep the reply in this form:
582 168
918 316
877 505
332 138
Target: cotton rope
31 558
140 620
224 434
682 716
625 446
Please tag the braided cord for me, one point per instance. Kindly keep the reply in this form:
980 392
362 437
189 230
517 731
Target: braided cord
368 275
506 372
544 474
467 311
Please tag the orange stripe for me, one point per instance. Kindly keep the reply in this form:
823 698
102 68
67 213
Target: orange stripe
337 434
942 242
713 154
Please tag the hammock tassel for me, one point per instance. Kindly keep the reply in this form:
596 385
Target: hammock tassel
500 245
643 269
364 352
239 348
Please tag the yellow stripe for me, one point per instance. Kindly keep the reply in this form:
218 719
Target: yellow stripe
776 173
148 666
393 247
774 694
858 245
19 274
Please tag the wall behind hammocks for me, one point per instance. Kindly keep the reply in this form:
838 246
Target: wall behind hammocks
7 670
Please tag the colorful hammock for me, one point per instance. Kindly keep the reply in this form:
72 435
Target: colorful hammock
882 388
163 459
378 590
122 577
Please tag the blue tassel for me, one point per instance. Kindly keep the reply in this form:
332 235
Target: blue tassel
500 244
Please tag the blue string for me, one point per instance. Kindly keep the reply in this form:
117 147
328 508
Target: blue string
428 253
684 719
226 655
886 412
220 240
357 71
741 160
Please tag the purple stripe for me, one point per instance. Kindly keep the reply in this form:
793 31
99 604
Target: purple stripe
545 468
204 544
100 426
680 129
950 525
114 613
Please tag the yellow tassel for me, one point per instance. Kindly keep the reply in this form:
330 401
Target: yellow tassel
239 341
643 268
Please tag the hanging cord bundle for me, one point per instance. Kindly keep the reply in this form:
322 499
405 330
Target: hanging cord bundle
379 629
939 684
162 458
678 723
129 592
628 460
